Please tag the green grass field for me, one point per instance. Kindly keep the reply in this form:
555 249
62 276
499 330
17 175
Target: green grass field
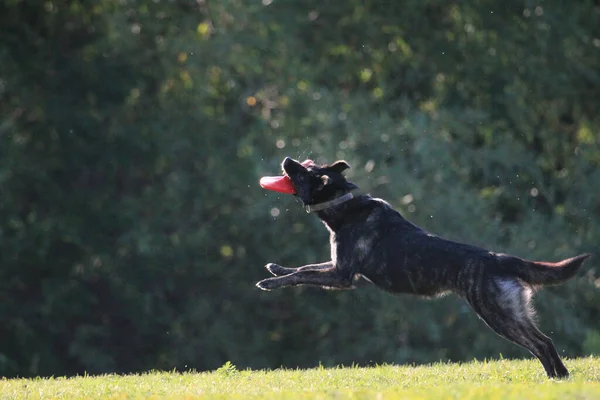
521 379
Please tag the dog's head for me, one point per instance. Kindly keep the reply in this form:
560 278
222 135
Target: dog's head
317 184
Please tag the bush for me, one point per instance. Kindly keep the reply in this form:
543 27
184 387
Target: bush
134 134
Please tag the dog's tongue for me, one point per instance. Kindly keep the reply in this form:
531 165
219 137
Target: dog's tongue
281 184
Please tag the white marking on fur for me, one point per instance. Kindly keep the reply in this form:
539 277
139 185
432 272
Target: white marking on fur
332 245
515 297
382 201
363 245
357 276
527 295
373 217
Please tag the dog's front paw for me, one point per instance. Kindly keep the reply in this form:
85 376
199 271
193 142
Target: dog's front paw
275 269
267 284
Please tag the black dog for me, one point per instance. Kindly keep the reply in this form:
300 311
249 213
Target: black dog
370 239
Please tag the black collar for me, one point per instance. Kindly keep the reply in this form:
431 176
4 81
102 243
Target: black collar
332 203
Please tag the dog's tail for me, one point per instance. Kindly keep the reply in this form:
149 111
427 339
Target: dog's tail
541 272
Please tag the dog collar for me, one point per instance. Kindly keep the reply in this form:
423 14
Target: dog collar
331 203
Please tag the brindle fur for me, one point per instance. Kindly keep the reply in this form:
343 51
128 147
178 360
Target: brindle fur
370 239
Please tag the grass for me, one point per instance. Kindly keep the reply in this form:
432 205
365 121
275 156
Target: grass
516 379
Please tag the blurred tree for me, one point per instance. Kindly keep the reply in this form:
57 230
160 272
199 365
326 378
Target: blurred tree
133 135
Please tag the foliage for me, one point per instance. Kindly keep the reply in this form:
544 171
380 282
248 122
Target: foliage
133 135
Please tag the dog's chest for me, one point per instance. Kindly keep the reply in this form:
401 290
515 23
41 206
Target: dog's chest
350 250
333 247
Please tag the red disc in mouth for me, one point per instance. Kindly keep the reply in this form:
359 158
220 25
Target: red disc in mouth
282 184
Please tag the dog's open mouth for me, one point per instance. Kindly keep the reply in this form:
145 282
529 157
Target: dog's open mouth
283 183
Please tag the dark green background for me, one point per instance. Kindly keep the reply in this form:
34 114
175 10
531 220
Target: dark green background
133 135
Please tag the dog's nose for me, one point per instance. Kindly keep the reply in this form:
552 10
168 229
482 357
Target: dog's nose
287 162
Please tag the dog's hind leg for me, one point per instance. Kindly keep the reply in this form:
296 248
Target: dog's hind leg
278 270
328 278
503 304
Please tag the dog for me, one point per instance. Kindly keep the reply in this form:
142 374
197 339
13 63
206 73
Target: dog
370 239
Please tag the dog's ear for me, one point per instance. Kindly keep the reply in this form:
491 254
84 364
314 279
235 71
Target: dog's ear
339 166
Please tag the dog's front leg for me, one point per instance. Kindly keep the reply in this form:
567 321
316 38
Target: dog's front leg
326 277
278 270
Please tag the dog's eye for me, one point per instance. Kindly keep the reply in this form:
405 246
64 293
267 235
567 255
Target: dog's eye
326 180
